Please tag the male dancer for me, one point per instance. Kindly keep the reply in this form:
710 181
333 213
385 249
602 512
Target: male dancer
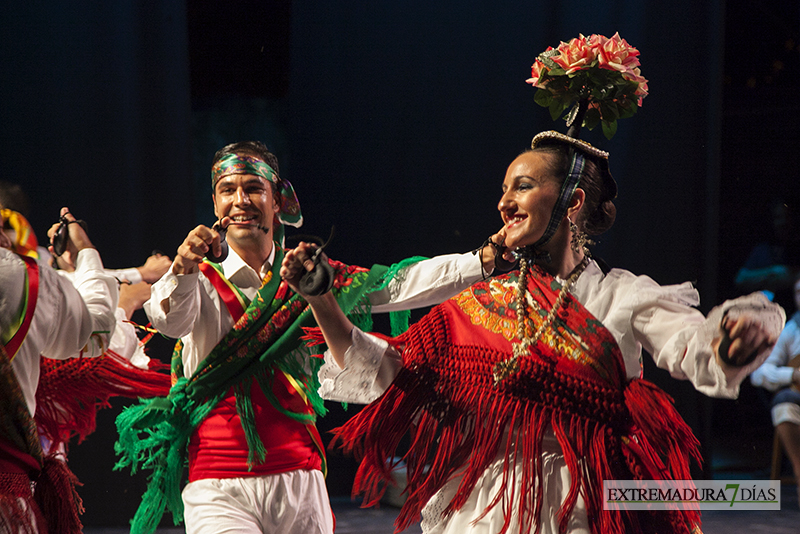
42 313
245 398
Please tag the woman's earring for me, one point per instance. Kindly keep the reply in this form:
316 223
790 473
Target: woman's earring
579 239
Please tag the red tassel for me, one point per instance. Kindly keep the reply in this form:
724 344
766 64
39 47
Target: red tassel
313 336
56 497
19 513
71 391
653 412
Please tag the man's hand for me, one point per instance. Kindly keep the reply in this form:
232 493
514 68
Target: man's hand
154 267
133 296
193 249
77 240
296 263
748 335
335 326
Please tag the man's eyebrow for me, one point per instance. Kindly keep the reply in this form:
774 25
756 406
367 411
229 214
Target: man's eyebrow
227 180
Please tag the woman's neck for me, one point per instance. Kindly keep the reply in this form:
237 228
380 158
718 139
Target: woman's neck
563 259
562 267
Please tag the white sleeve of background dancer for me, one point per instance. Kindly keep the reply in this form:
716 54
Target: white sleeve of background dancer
370 367
428 282
131 274
774 374
85 319
181 295
126 343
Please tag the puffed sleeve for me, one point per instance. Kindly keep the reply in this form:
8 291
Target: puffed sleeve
371 365
428 282
85 308
680 339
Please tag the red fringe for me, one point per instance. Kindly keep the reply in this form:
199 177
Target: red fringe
458 420
652 411
57 498
313 336
18 511
71 391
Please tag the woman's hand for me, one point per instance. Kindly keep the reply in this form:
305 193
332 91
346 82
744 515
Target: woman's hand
488 253
748 337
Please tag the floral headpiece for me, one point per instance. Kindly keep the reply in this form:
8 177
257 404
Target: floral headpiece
597 77
599 80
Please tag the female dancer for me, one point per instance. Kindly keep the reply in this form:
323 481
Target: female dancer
524 392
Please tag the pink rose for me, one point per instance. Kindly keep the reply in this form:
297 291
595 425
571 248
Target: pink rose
634 75
575 55
536 73
614 53
641 91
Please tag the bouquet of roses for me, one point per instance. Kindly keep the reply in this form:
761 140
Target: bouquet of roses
597 77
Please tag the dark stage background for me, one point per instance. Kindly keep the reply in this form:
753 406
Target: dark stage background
395 122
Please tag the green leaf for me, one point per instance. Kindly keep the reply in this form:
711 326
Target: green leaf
609 111
609 129
592 118
555 110
628 110
543 97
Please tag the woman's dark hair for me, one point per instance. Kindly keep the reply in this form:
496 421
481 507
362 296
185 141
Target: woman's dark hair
599 211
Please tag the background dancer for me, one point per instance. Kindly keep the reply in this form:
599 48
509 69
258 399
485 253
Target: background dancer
43 314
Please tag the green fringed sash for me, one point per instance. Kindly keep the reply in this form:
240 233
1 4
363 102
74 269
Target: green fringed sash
262 343
398 320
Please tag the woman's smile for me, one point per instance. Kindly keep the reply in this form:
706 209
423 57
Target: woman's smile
529 194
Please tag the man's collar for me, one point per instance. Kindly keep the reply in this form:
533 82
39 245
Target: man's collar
240 273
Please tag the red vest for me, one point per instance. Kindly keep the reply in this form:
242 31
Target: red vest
218 448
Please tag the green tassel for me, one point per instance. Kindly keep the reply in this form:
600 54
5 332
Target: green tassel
257 453
389 275
399 321
155 435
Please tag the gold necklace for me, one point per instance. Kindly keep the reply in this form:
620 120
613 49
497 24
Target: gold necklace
509 366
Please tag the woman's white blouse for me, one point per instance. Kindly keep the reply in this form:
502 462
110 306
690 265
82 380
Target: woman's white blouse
638 312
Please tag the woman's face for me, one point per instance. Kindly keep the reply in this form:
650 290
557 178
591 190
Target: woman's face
529 195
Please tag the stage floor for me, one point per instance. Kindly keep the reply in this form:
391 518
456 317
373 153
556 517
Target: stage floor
350 519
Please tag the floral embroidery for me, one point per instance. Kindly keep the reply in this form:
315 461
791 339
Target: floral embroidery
492 306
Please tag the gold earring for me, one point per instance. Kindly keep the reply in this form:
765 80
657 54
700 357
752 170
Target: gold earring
579 239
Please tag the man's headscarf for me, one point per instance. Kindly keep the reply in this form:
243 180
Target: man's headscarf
240 164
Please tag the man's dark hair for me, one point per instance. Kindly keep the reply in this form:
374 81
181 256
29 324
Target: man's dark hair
249 148
255 149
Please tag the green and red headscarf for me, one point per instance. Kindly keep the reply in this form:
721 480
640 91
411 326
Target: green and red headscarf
240 164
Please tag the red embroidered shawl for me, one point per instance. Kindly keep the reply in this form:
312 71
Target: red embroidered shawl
573 382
